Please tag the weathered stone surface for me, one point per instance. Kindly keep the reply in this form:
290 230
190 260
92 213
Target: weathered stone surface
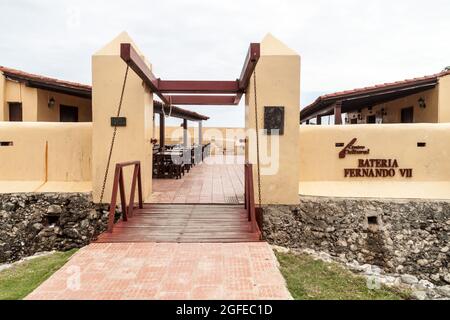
409 279
444 290
409 237
36 222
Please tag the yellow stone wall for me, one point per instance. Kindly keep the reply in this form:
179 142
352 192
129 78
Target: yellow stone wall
321 171
46 151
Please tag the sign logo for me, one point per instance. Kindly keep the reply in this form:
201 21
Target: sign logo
351 148
372 168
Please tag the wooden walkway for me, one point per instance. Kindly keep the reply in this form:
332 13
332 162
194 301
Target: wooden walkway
218 180
184 224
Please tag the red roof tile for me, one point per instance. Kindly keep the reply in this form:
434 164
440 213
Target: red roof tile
370 89
385 85
45 80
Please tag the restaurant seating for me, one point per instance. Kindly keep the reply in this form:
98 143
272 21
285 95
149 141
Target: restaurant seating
173 161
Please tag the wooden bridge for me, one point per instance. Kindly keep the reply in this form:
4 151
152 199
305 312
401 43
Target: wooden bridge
184 223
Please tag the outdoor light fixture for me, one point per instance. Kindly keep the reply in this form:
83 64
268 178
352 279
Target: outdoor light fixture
51 102
422 103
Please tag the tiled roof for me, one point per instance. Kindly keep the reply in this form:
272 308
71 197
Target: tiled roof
44 80
373 89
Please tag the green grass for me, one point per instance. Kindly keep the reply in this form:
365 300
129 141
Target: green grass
20 280
308 279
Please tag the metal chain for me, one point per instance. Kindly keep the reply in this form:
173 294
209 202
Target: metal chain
113 140
258 160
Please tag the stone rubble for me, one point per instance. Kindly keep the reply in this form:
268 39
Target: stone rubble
401 236
36 222
419 289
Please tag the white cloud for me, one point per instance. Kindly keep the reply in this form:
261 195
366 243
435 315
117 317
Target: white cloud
343 44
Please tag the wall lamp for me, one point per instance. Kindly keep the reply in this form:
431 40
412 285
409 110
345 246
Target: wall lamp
422 103
51 102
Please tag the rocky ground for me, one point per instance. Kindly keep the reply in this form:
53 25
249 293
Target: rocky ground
36 222
400 236
420 289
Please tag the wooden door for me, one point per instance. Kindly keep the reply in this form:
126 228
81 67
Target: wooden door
68 114
15 112
407 115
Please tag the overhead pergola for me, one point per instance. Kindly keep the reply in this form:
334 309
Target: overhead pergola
192 92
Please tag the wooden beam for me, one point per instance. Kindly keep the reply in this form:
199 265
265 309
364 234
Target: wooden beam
138 65
203 100
338 113
253 55
319 120
207 87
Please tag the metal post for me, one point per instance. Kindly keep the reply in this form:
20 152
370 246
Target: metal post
162 131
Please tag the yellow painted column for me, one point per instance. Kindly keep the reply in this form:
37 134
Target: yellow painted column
444 99
133 142
277 85
3 104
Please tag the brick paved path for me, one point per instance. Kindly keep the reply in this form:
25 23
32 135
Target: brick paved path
167 271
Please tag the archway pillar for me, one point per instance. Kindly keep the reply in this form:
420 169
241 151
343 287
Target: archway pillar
277 85
132 142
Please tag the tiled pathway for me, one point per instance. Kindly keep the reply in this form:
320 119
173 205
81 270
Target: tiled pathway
167 271
217 180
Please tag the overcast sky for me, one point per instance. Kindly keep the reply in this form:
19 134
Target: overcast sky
344 44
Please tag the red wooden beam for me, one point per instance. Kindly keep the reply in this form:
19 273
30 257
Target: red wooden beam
206 87
203 100
253 55
137 64
159 87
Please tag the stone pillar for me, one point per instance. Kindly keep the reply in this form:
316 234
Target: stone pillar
133 142
277 84
185 133
200 132
3 104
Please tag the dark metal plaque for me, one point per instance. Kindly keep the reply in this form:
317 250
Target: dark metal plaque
274 120
118 122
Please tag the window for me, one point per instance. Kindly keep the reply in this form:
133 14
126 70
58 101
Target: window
407 115
15 112
68 114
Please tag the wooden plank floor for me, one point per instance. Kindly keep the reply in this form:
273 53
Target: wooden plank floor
217 180
184 223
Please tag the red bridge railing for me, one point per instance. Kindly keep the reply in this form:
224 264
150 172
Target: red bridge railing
119 186
250 199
